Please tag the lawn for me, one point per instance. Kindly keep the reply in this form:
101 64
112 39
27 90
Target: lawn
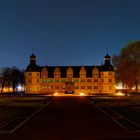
15 110
124 107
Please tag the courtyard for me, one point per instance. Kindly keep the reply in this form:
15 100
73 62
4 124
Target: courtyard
70 117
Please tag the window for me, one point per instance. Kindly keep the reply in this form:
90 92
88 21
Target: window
44 74
95 80
57 87
69 72
95 87
50 87
82 87
37 81
82 80
76 87
82 72
89 87
110 80
44 87
89 80
37 74
95 72
30 74
50 80
63 80
83 75
76 80
57 80
110 74
63 87
57 72
44 81
30 81
70 80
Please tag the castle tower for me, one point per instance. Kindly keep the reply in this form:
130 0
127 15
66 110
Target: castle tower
107 60
33 59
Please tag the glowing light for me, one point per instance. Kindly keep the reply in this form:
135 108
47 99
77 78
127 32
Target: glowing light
55 94
120 94
119 86
19 88
82 94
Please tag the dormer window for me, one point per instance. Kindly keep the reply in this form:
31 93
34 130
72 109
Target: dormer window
57 72
82 72
69 72
44 72
95 72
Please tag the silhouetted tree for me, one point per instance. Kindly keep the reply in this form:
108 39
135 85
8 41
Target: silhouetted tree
14 77
4 77
22 77
127 65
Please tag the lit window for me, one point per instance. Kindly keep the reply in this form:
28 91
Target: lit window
30 81
76 80
95 87
89 80
63 80
95 80
82 80
37 80
82 87
44 81
76 87
89 87
110 74
50 80
57 87
57 81
30 74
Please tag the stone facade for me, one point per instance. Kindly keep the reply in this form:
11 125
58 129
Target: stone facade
70 79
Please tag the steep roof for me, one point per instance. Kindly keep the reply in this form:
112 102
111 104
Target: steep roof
63 70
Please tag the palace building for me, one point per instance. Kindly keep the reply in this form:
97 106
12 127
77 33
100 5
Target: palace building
70 79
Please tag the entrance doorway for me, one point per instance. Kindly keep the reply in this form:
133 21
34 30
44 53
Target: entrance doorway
69 88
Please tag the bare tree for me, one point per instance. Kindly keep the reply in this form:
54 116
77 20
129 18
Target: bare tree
4 77
127 65
14 77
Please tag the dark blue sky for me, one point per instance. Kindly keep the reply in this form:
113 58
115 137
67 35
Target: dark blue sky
65 32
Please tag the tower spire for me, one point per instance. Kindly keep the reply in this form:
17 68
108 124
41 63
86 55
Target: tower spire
33 50
107 50
33 57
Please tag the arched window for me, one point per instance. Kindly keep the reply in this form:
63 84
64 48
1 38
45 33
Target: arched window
95 72
44 72
82 72
69 72
57 72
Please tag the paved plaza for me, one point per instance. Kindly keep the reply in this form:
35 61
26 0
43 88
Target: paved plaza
70 118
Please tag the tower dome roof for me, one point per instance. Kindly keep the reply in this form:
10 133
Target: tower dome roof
107 56
32 56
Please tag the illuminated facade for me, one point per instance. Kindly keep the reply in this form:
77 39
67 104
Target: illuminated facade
70 79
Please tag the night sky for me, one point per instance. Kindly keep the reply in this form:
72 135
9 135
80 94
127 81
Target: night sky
65 32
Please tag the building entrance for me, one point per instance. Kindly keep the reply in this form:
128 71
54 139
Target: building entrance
69 88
